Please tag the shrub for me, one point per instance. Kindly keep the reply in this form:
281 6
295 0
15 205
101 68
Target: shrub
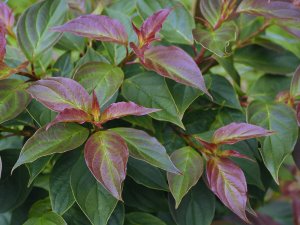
136 112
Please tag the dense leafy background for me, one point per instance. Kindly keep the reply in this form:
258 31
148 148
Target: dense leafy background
143 112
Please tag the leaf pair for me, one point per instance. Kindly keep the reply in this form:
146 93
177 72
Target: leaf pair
171 62
74 104
224 177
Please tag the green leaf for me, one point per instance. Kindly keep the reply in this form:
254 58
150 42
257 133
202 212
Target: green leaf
179 24
144 147
49 218
142 218
147 175
118 216
217 41
58 139
13 188
74 216
69 42
96 203
281 119
36 167
63 66
223 93
33 32
267 60
227 64
268 86
190 163
211 10
39 113
40 207
59 184
13 99
150 90
104 78
197 207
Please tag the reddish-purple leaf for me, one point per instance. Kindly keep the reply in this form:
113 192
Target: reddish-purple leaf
206 144
95 107
7 16
121 109
295 85
270 9
153 24
174 63
58 93
2 41
296 210
236 154
236 132
6 71
228 182
97 27
106 155
70 115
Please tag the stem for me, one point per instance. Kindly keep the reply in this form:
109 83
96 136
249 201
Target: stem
15 132
29 75
200 56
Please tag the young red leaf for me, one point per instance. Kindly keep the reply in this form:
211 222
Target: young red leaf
106 155
6 16
2 41
6 71
228 182
295 85
58 93
270 9
70 115
97 27
153 24
95 107
233 153
236 132
206 144
174 63
121 109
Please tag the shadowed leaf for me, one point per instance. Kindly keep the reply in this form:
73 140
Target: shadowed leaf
295 85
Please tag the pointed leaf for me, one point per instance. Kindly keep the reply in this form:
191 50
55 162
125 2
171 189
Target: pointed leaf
197 207
153 24
46 218
6 71
211 10
150 90
2 41
13 99
7 16
96 203
144 147
217 41
103 78
121 109
174 63
58 93
178 26
298 113
190 163
281 119
236 132
236 154
97 27
33 32
295 85
36 167
70 115
228 182
58 139
270 9
106 155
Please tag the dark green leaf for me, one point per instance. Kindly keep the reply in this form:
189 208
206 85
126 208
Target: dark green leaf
36 167
142 219
49 218
118 216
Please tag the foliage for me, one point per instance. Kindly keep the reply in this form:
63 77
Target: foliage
145 112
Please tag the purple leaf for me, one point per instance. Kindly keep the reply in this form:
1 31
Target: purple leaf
121 109
97 27
7 17
153 24
2 41
236 154
236 132
58 93
295 85
70 115
174 63
228 182
270 9
95 107
106 155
